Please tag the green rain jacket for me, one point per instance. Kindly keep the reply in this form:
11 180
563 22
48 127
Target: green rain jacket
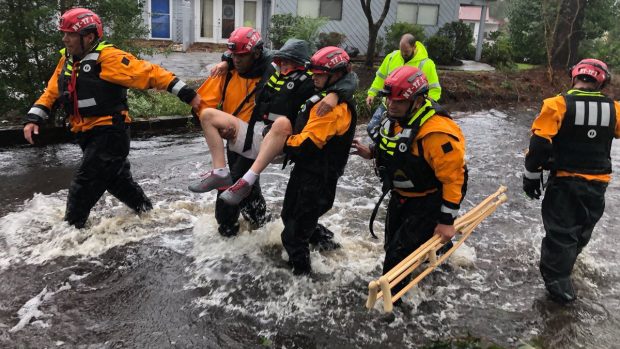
420 60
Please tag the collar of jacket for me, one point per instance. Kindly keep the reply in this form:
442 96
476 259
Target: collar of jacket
422 114
576 92
96 48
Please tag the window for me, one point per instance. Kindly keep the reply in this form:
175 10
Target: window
427 14
307 8
249 14
417 13
331 9
206 23
160 19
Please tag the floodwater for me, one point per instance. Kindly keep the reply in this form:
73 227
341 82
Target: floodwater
168 280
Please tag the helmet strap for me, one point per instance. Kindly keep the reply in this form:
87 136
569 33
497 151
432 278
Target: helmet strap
84 50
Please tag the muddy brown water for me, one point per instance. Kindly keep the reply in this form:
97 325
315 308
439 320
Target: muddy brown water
168 280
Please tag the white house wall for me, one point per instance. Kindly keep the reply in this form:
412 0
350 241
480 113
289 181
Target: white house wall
355 25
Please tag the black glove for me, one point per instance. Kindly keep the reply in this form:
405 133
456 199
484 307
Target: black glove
532 187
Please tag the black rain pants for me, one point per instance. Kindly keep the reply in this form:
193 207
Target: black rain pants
409 223
104 167
570 209
308 196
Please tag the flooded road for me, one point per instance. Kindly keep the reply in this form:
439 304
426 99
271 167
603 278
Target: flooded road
168 280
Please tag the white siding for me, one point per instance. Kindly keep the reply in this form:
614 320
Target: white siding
355 25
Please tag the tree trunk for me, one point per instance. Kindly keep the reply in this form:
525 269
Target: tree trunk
567 34
373 28
373 31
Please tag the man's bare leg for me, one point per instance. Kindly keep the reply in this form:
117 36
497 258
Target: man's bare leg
215 124
212 122
272 144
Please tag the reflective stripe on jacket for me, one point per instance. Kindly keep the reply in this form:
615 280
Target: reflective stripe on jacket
113 66
423 155
549 122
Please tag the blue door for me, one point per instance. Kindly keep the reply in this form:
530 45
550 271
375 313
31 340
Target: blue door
160 19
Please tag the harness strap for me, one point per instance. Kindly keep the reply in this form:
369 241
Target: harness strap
250 133
228 77
374 214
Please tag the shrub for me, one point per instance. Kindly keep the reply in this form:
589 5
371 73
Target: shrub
440 49
281 29
396 31
379 45
30 43
308 29
151 103
363 112
606 49
499 52
124 22
286 26
330 39
462 37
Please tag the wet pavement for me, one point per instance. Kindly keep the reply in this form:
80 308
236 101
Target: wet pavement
168 280
186 65
468 66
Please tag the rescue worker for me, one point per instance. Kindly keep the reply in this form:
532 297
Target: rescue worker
90 82
277 107
420 158
411 53
319 148
227 105
571 137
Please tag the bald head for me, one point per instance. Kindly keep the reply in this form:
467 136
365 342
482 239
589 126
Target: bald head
407 46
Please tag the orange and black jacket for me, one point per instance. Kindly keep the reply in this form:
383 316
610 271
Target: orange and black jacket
572 136
236 93
423 154
321 144
93 90
230 93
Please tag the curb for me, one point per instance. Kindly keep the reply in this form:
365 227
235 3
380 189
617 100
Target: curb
14 135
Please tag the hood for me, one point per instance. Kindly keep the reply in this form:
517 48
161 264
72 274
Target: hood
420 53
294 50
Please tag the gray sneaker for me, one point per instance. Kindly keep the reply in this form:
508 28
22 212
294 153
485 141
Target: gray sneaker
211 181
239 191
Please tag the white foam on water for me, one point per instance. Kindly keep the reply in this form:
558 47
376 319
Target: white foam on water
30 310
464 256
75 277
37 233
259 253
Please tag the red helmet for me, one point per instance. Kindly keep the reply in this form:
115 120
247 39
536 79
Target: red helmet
405 82
244 40
593 68
81 21
329 60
